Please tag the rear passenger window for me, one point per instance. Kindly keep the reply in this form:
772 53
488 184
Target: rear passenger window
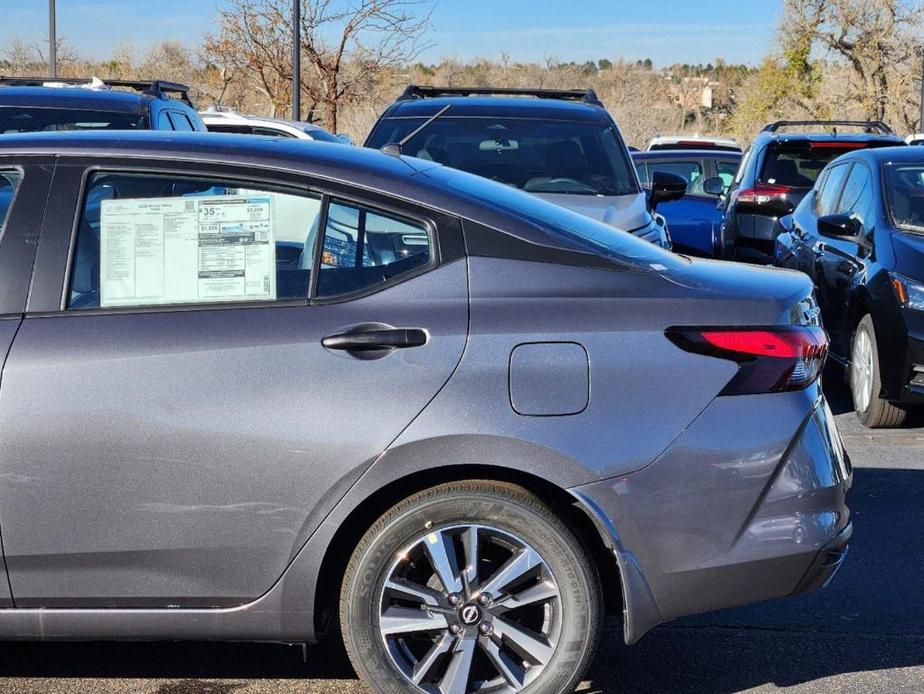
9 183
830 193
364 247
157 240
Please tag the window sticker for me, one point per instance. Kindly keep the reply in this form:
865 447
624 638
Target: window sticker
187 250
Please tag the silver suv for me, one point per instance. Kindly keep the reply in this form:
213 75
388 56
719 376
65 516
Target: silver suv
559 145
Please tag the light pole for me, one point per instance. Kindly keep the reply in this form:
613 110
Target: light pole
921 122
52 40
296 60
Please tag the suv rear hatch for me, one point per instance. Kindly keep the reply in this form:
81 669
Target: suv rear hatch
788 172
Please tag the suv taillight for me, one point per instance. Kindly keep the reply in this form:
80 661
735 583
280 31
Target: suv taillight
770 359
762 193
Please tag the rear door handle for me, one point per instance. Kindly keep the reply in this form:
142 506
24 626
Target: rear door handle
370 340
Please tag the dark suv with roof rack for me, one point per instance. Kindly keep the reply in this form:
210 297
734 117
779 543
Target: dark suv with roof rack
560 145
37 104
777 171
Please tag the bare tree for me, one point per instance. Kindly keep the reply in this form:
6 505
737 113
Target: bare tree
878 39
348 46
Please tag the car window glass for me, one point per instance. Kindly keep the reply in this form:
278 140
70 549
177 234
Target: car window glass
856 192
271 132
9 184
30 120
819 186
364 247
322 136
726 170
157 240
181 122
741 167
905 186
830 194
692 172
642 169
535 155
163 121
225 128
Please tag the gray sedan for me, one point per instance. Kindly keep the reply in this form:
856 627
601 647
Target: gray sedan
283 391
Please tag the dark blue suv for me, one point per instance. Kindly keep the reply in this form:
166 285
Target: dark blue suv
36 104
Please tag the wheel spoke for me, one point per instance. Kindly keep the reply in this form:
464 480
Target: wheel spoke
444 565
425 664
513 673
405 620
455 679
514 568
470 543
532 647
540 592
414 591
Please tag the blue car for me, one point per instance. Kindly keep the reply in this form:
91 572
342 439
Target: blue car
695 220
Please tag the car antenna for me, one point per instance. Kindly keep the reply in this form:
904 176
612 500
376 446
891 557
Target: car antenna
395 147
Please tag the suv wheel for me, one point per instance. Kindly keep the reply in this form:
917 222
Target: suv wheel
865 381
470 586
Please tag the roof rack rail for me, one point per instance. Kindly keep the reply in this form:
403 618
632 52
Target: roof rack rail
869 126
157 88
587 96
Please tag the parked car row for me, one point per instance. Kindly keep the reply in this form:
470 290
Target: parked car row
275 389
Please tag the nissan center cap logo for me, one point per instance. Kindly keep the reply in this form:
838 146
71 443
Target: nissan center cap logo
470 614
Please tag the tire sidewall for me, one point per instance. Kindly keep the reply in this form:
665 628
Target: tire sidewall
562 554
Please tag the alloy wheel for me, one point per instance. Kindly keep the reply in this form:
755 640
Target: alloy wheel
470 608
861 371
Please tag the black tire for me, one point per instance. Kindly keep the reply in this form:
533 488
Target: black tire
502 506
872 411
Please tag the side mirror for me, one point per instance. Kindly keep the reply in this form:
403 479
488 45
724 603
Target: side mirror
839 226
714 186
666 187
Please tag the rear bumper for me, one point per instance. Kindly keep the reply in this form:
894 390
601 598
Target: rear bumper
751 238
737 510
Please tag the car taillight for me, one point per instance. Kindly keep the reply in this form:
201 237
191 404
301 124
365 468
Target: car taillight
763 193
770 359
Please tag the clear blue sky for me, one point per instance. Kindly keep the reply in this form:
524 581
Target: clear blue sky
667 31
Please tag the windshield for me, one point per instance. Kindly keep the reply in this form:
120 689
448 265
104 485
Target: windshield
534 155
905 184
31 120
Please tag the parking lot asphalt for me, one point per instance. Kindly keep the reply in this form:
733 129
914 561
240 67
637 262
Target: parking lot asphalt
864 633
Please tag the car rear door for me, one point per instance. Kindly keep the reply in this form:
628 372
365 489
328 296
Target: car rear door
163 450
24 185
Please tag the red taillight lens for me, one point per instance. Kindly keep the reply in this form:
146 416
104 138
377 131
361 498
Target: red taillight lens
770 359
762 193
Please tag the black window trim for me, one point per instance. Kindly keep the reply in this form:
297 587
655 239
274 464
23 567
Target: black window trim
293 183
